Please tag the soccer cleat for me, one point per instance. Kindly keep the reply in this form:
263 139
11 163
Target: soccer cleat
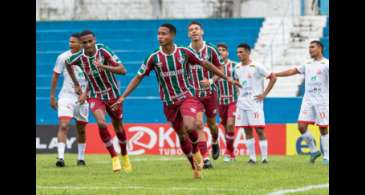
116 164
252 162
81 163
198 160
226 158
60 162
314 156
326 162
215 151
265 161
207 164
127 166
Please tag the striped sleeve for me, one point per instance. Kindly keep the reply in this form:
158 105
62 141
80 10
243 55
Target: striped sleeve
147 66
193 58
217 58
110 56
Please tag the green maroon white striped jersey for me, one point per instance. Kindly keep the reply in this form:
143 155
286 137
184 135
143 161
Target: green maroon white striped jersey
171 72
227 92
102 83
208 52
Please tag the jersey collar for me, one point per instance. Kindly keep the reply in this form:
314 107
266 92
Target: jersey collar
165 54
201 49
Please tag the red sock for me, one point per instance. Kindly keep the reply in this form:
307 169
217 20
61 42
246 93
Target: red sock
229 141
203 148
186 147
193 135
122 138
105 137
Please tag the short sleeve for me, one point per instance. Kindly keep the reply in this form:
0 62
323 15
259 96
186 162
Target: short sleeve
193 58
146 67
60 65
111 58
217 58
263 72
301 68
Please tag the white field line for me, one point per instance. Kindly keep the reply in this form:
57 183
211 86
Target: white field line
305 188
144 159
138 188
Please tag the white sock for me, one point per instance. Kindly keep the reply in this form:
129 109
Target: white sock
81 151
251 148
325 145
263 149
307 136
61 149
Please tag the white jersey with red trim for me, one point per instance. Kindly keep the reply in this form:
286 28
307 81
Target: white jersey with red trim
68 89
316 80
252 78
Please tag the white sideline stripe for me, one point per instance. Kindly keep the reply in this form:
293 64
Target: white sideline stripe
306 188
138 187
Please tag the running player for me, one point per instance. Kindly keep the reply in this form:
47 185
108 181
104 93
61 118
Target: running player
250 106
67 105
227 98
315 104
199 77
99 64
171 65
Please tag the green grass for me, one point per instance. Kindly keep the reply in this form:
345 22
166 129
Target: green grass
172 175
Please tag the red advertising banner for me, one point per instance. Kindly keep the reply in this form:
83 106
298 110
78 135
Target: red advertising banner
156 138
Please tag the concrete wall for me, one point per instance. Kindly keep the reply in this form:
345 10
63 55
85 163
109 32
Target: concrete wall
152 9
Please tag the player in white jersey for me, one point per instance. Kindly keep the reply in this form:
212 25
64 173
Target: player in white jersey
249 107
69 105
315 104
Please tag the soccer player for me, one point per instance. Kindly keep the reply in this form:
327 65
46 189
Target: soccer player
250 110
67 105
99 64
315 103
227 98
199 77
171 65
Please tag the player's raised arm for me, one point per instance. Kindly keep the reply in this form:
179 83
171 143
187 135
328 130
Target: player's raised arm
114 65
289 72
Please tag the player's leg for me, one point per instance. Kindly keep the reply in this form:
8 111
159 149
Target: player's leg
65 114
81 142
258 121
306 117
322 121
98 110
230 127
210 105
81 115
202 140
250 143
325 143
222 111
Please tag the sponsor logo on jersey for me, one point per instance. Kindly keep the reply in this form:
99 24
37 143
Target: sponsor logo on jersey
193 110
92 105
181 60
159 64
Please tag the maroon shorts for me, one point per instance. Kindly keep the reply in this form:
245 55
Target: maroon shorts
226 111
105 106
209 104
175 113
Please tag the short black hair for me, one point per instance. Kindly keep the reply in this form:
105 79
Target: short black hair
171 27
75 35
320 44
197 23
222 45
87 32
245 46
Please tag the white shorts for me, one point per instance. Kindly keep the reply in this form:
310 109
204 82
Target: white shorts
250 118
70 109
314 114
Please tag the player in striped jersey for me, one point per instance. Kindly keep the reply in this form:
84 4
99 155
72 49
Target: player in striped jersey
199 76
227 98
171 65
99 65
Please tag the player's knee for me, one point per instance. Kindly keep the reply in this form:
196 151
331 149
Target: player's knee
323 130
230 127
199 125
302 128
261 134
101 123
64 127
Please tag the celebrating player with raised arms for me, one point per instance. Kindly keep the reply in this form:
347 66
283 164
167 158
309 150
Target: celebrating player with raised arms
171 65
99 64
315 103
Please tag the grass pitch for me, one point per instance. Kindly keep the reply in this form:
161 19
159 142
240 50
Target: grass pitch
173 175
